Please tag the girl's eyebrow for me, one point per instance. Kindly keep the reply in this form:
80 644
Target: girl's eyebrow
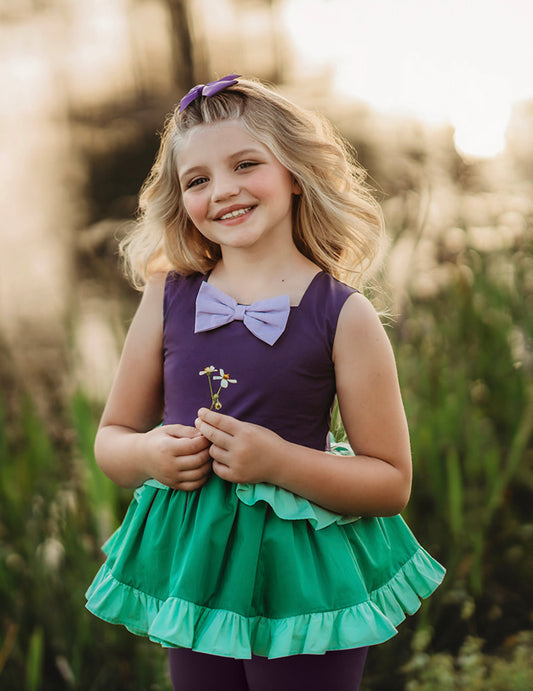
190 171
246 152
238 154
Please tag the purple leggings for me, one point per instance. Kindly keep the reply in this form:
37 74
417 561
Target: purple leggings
336 670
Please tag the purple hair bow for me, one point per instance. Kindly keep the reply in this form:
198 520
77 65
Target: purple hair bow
207 90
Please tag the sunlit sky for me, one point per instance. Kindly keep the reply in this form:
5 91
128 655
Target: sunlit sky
459 61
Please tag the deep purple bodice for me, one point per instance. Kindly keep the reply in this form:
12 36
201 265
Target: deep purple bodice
288 387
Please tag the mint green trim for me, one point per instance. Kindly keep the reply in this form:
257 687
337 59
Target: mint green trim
178 623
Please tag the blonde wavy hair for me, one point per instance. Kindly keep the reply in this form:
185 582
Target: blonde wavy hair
336 221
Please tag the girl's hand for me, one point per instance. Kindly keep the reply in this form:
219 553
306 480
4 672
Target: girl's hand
177 456
241 451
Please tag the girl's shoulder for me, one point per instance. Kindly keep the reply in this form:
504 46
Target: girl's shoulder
360 331
353 314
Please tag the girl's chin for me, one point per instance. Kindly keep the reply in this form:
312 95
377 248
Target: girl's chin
235 239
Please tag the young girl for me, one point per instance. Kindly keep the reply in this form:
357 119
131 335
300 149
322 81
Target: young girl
259 558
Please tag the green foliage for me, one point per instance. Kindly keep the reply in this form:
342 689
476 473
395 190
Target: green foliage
471 669
469 399
466 368
56 508
34 661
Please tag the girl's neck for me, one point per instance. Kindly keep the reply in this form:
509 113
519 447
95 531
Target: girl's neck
251 278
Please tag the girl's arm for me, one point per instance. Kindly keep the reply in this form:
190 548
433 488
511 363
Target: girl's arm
377 481
128 447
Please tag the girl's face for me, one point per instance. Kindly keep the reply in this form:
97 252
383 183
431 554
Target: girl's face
234 189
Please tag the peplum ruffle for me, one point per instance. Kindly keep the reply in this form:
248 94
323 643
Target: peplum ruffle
290 506
206 571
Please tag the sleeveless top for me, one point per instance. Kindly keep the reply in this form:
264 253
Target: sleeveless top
288 387
237 570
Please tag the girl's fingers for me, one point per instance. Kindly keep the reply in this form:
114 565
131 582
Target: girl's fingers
193 461
190 483
194 475
197 444
181 431
223 471
188 447
220 455
213 434
225 423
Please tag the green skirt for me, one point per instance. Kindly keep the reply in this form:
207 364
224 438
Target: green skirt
236 576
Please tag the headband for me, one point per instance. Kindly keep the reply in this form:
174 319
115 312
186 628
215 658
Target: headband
207 90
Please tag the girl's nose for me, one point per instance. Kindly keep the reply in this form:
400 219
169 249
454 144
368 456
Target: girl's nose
224 187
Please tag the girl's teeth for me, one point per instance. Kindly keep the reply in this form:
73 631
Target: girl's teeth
234 214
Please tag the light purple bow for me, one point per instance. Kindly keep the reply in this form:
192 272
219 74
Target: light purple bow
266 319
209 89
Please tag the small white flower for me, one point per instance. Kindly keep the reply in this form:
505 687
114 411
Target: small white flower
208 370
225 381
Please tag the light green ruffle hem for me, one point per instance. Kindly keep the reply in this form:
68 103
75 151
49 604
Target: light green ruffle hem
178 623
285 504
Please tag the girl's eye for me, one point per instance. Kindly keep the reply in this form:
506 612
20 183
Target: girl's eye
196 182
246 164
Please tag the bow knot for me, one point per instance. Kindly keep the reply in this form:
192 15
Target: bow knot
240 311
266 319
207 90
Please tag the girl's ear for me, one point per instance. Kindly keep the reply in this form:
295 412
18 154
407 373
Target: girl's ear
296 189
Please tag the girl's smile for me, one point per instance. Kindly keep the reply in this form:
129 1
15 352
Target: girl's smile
235 190
235 213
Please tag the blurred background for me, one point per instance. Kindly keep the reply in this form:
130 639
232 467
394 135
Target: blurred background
437 99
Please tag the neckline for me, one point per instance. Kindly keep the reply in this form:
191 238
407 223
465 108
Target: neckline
206 276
